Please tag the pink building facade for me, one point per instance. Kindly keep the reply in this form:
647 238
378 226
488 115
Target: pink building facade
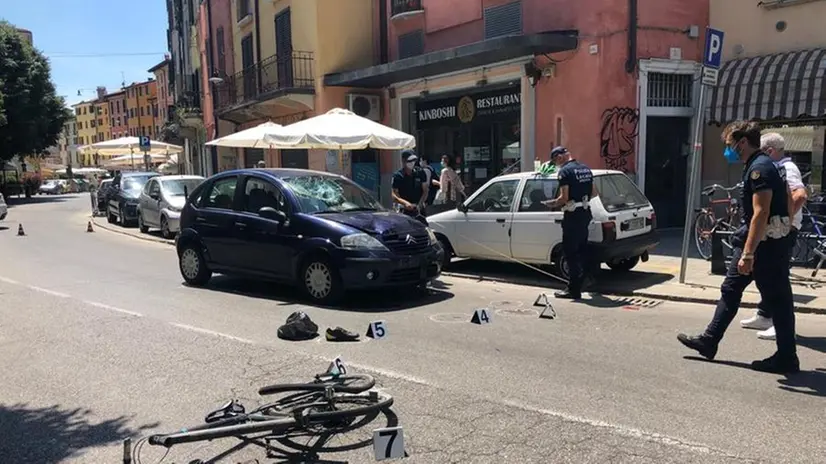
498 83
215 45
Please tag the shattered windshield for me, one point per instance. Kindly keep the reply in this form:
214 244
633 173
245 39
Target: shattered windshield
326 194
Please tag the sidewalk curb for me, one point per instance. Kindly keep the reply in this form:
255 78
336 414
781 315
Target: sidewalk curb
107 227
803 309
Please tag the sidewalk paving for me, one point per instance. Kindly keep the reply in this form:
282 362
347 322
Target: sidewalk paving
658 278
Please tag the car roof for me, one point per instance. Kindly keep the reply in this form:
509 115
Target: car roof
281 173
530 174
138 174
180 177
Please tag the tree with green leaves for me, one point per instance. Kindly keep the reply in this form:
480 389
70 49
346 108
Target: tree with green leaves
31 113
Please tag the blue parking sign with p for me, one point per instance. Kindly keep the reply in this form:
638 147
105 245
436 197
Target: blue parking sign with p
144 143
714 48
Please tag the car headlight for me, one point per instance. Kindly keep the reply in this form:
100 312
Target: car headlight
174 209
432 236
361 242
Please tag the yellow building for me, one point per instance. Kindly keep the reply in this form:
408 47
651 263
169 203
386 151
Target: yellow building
86 127
141 107
104 129
280 66
773 55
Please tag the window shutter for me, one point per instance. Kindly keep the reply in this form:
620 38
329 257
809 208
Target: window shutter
503 20
411 44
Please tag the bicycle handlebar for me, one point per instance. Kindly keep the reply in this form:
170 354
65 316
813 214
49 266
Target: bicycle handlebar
715 187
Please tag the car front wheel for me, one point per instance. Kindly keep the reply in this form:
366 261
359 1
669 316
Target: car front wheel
141 225
320 281
193 266
165 232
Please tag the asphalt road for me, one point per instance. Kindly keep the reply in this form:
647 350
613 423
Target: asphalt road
99 341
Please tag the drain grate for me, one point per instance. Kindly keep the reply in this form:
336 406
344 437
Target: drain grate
636 301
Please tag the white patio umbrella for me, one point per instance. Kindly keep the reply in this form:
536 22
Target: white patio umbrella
124 144
248 138
132 158
339 129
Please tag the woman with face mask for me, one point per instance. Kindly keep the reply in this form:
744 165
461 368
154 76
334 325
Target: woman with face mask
452 189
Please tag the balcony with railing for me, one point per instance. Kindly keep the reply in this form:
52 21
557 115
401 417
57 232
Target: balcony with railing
405 8
274 78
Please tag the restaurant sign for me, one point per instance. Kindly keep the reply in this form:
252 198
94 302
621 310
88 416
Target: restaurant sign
498 104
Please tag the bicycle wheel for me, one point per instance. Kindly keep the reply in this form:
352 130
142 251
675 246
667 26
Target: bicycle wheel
345 415
703 226
356 383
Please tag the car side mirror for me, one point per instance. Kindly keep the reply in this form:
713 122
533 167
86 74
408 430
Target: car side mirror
155 196
461 207
271 213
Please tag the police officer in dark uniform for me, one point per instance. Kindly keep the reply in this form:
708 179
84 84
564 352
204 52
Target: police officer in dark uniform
761 253
576 188
409 187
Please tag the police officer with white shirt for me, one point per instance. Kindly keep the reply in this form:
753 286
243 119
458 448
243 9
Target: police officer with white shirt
760 253
774 145
576 188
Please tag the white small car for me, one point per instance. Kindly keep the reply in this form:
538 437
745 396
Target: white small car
161 201
505 221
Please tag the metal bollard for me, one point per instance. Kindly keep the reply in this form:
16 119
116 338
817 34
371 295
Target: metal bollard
719 264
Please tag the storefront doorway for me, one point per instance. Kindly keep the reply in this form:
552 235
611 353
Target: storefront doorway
666 171
478 129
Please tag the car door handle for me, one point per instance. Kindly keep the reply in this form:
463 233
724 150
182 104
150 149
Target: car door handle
240 225
558 221
200 219
500 221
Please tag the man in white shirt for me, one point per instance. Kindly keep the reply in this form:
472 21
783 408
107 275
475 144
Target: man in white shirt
774 145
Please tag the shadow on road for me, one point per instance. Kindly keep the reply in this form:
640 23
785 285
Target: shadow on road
606 281
805 382
37 200
53 434
364 301
813 343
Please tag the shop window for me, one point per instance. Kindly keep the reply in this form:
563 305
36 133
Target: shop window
296 159
252 156
411 44
503 20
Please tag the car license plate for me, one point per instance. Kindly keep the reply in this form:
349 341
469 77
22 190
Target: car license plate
636 223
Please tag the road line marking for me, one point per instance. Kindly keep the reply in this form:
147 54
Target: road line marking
112 308
48 292
212 332
9 281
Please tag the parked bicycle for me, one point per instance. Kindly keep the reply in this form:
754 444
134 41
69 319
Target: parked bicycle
330 405
706 222
810 246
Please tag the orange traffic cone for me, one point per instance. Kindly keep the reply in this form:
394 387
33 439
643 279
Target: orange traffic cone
89 227
20 231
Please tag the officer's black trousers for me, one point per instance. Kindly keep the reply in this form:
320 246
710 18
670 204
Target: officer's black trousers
771 275
575 246
762 308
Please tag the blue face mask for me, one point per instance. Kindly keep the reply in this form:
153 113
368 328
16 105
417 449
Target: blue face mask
731 155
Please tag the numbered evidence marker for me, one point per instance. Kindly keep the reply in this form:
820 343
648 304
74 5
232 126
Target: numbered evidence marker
337 368
388 443
377 330
481 316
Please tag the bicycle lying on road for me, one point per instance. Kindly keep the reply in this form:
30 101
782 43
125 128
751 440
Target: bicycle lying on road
329 405
706 221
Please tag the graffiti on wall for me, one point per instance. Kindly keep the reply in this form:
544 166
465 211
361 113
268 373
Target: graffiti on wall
618 137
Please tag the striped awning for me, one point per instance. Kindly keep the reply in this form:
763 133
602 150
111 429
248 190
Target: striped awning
788 85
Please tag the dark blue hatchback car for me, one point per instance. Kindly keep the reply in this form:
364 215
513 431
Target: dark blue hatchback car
319 231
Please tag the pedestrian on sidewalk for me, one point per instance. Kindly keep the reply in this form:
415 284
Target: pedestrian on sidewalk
760 253
93 193
576 188
773 144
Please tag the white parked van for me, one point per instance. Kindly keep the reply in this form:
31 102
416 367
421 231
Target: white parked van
505 220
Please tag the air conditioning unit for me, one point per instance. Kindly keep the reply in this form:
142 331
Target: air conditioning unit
367 106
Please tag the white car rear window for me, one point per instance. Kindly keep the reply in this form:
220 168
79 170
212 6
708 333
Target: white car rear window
617 192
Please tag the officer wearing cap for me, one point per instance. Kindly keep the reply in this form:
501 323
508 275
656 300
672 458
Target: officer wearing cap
761 253
576 188
410 186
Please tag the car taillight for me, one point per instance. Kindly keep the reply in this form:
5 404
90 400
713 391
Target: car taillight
609 231
652 220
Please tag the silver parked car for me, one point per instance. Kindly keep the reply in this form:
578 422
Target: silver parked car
160 203
3 208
